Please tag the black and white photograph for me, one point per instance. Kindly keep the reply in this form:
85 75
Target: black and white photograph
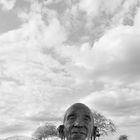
69 69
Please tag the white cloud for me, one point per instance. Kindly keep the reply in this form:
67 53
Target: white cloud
115 101
114 61
28 74
40 72
115 55
90 6
7 4
95 7
137 20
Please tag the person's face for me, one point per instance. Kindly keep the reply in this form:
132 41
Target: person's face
78 123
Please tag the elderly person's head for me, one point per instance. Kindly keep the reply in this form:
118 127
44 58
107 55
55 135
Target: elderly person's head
78 122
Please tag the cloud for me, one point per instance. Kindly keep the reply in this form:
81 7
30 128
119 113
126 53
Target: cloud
91 7
95 8
119 105
28 73
7 4
121 102
17 128
14 128
115 55
43 70
88 20
46 116
114 60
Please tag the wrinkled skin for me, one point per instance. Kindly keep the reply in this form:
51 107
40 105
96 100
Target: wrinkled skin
78 122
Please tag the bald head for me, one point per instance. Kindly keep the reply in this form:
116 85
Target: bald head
78 107
78 122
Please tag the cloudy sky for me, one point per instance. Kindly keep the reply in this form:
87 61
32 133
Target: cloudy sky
57 52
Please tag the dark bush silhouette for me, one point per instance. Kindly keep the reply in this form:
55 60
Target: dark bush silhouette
123 137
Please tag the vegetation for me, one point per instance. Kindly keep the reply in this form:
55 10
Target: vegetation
104 125
45 131
123 137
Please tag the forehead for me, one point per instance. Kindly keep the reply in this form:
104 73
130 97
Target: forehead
78 110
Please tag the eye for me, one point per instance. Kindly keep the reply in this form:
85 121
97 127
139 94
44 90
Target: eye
87 118
71 117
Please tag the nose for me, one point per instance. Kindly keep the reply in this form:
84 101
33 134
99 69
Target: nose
78 123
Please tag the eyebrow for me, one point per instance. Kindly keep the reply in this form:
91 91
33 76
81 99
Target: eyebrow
70 115
88 116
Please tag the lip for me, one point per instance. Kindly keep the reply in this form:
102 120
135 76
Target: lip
78 133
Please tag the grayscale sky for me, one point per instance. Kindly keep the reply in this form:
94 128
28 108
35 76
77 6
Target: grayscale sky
54 53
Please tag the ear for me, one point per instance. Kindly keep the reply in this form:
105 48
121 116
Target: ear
60 130
95 132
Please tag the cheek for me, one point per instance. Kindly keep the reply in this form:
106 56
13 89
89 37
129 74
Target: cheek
67 129
90 129
68 125
67 133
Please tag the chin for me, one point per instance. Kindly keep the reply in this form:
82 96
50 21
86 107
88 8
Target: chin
78 137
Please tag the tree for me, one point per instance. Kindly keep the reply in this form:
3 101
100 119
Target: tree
104 125
123 137
45 131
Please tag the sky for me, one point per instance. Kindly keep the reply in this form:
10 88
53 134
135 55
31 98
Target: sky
54 53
